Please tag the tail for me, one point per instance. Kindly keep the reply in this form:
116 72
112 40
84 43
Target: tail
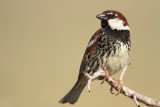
73 95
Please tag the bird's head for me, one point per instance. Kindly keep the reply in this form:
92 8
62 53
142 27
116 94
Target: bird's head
113 19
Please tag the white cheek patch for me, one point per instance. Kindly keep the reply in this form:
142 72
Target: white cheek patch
117 24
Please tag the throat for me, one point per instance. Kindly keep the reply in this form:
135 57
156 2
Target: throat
104 24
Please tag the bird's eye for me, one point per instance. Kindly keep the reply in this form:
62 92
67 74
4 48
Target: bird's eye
111 15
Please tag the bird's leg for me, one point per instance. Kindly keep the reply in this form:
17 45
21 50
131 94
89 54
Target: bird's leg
120 83
119 86
111 89
106 76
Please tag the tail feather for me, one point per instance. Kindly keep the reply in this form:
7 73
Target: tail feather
73 95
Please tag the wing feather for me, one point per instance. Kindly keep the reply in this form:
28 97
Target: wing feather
91 46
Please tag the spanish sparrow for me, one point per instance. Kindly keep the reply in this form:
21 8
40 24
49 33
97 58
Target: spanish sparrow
107 50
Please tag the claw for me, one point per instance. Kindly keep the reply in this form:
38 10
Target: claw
120 87
106 76
102 81
111 90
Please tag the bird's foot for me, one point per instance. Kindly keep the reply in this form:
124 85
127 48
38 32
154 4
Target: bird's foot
111 90
119 87
106 76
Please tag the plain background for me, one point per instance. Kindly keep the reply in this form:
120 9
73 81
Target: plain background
42 43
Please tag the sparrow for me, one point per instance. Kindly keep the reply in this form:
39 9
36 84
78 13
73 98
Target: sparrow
107 51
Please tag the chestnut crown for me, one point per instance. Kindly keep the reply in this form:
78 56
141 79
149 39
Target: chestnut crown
114 19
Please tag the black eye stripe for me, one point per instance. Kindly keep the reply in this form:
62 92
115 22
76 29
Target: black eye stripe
111 15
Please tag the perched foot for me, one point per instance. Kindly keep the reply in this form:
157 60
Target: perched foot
106 76
111 90
119 86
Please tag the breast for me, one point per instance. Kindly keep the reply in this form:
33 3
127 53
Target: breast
118 58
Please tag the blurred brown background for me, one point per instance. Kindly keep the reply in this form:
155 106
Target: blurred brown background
42 43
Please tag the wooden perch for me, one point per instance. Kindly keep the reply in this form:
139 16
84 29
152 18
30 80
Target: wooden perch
137 97
134 95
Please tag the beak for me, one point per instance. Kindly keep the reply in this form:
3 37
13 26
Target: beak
102 16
